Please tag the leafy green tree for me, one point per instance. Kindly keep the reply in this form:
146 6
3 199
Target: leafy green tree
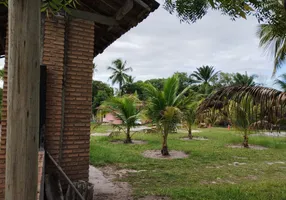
192 10
164 107
126 109
273 35
281 82
119 73
223 80
157 83
244 79
205 74
100 92
137 87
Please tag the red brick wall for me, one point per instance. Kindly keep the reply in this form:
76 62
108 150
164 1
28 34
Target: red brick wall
73 83
53 57
3 128
78 99
74 102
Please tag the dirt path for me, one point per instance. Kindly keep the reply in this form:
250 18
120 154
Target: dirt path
105 188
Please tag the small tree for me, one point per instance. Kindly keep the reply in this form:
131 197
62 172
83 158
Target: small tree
241 114
189 118
126 109
164 107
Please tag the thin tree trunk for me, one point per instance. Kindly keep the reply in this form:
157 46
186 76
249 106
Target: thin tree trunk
128 137
120 90
23 100
190 135
245 140
164 150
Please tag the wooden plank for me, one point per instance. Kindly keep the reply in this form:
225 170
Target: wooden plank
96 17
23 100
144 5
124 9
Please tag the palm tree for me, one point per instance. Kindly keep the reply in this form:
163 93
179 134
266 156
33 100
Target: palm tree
164 107
125 109
205 74
119 74
281 82
273 35
247 106
244 79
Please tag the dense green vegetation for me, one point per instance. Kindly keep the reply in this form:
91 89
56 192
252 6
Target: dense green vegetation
211 171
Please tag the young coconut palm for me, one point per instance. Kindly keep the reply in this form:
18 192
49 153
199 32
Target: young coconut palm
164 107
189 118
242 117
126 109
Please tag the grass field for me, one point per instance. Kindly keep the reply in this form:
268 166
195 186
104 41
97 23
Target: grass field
212 170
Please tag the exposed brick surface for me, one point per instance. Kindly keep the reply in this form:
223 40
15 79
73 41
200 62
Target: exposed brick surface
74 102
78 99
3 128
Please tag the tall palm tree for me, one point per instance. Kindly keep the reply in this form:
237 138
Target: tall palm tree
125 109
119 73
244 79
205 74
281 82
273 35
164 107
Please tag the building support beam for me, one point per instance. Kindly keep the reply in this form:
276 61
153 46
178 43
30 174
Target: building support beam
144 5
96 17
23 100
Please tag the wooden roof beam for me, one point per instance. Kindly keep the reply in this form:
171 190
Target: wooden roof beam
126 8
143 4
94 16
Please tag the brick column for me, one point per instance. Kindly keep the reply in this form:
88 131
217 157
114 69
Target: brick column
78 99
3 128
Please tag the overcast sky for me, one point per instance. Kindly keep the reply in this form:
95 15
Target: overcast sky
161 45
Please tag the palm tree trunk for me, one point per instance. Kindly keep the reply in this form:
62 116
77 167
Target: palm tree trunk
164 150
190 135
245 141
128 137
120 90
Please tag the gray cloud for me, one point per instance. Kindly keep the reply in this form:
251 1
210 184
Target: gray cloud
161 45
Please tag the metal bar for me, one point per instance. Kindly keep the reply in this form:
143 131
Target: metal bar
64 174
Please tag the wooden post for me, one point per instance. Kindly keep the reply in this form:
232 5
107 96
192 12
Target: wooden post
23 100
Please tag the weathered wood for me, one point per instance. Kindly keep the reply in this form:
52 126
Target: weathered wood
85 188
65 176
124 10
96 17
53 188
144 5
23 100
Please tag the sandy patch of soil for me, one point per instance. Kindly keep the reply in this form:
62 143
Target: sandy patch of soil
100 134
157 154
133 142
255 147
195 139
269 134
105 188
155 198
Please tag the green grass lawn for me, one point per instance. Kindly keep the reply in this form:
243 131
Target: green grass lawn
208 173
104 128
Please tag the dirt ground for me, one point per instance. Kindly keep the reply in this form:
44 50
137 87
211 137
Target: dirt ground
105 188
256 147
157 154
